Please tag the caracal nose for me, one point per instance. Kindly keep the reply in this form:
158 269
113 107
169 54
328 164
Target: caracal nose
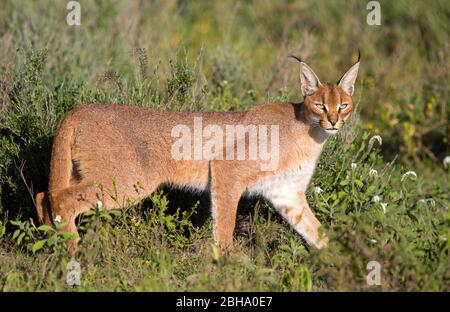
333 120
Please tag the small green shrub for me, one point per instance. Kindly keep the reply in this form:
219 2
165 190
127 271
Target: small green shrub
44 237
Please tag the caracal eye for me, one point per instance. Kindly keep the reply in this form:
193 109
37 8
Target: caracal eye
343 106
321 107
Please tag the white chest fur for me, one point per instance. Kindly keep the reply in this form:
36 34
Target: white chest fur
285 184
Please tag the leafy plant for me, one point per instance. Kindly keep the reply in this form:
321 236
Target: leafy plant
32 237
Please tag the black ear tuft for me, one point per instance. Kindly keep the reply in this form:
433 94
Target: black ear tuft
296 57
347 81
359 58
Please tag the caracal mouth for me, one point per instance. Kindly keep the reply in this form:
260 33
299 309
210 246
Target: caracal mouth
331 130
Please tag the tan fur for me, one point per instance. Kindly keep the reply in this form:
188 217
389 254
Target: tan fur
131 145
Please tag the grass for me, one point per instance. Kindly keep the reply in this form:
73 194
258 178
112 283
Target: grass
224 56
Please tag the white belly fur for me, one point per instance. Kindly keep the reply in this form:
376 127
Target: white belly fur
285 186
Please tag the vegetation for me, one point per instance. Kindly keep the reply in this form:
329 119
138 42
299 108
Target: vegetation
381 188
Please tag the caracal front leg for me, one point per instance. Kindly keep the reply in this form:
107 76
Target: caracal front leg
224 206
225 195
295 210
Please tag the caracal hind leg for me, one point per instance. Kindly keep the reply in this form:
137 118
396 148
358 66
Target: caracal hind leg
295 210
74 200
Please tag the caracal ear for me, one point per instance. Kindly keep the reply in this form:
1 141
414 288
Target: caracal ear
347 82
310 83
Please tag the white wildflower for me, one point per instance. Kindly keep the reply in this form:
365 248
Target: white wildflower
354 165
383 206
376 199
57 219
99 204
373 172
430 201
376 138
318 190
374 241
409 174
446 162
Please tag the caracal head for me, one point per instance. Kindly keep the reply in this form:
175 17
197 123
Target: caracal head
327 105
